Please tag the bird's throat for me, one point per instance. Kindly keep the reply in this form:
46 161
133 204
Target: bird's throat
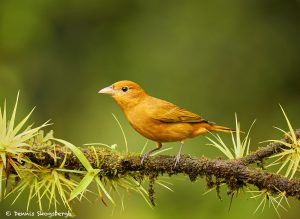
128 102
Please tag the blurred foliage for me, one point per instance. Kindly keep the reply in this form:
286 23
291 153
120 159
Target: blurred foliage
212 57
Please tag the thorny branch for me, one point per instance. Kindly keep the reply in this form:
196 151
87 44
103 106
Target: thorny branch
234 173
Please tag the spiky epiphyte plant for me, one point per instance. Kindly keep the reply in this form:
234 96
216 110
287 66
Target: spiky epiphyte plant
13 140
55 183
289 157
276 201
239 148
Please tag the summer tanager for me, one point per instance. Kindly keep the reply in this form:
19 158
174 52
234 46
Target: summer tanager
157 119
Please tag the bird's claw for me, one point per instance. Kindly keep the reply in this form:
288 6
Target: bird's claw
177 158
144 156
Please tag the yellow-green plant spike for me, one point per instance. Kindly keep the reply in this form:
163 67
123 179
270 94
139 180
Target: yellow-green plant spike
123 133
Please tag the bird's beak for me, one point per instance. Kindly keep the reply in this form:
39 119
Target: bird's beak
107 90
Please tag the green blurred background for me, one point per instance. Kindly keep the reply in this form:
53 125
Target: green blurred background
212 57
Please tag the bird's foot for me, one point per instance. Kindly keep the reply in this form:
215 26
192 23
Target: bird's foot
144 156
177 158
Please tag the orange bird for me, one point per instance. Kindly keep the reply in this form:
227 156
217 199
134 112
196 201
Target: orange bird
157 119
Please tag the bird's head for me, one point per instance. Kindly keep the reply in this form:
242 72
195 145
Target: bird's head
126 93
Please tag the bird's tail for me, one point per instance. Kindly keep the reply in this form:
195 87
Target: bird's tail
219 128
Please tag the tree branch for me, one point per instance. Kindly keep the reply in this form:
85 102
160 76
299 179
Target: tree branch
266 151
235 173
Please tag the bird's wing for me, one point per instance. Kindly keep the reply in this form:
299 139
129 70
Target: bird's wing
168 112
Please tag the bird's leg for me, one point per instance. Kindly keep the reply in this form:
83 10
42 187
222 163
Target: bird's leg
177 158
145 155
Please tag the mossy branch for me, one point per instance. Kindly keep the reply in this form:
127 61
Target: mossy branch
234 173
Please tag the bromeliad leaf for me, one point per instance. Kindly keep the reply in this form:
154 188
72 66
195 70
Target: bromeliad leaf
84 183
83 160
13 141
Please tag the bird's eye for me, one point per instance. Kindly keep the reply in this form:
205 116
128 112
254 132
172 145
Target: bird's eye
124 89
